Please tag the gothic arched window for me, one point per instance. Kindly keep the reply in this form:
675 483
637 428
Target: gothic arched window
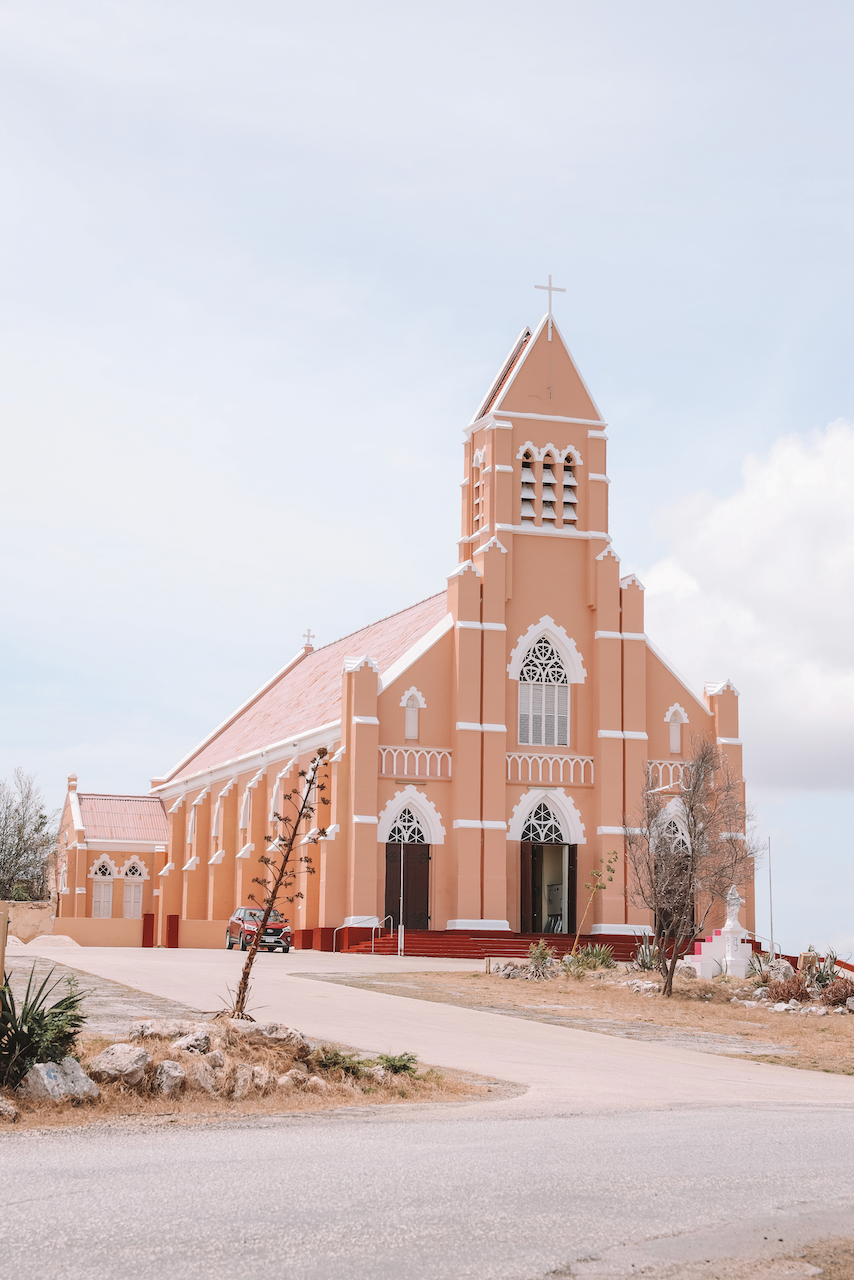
676 837
543 697
407 829
543 827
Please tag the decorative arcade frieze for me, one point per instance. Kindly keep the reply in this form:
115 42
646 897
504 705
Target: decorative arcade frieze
567 771
415 762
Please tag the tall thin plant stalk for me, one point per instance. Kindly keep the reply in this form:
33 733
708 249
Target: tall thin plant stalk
596 884
283 870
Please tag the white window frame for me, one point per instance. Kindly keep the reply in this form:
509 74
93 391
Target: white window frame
543 711
132 889
102 898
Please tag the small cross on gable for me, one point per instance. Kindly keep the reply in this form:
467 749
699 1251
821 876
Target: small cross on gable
550 289
308 637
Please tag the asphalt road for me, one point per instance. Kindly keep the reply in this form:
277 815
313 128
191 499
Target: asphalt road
335 1197
615 1157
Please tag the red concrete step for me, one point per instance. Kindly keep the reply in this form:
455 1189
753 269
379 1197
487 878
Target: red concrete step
454 944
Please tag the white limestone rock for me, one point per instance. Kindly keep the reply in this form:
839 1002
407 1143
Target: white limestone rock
314 1084
165 1028
263 1081
169 1079
215 1059
780 970
201 1075
296 1077
64 1081
270 1033
243 1082
378 1074
195 1042
8 1111
849 1004
120 1062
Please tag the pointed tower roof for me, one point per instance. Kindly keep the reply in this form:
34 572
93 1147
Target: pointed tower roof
541 378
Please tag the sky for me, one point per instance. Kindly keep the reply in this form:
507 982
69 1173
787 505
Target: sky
258 265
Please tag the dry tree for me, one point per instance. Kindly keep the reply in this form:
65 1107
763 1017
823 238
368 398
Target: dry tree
687 845
282 867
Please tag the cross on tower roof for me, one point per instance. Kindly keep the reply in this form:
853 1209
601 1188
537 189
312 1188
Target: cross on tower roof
550 289
308 637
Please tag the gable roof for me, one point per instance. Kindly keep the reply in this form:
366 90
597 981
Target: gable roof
530 350
123 817
307 694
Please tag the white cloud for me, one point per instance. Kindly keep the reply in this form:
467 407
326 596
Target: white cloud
759 589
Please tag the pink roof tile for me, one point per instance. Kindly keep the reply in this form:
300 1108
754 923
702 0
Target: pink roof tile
309 694
123 817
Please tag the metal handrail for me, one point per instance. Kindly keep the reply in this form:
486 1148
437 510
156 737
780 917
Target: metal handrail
381 925
364 925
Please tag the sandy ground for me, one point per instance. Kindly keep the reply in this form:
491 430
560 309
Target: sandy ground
699 1016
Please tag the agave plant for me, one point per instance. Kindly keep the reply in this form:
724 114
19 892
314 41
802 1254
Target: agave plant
34 1031
541 958
646 953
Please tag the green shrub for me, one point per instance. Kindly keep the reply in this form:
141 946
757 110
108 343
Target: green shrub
541 958
35 1031
398 1064
347 1063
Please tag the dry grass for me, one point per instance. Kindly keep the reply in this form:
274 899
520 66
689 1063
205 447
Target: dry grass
813 1043
122 1102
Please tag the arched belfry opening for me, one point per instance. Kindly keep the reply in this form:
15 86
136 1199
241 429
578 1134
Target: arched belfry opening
407 872
548 874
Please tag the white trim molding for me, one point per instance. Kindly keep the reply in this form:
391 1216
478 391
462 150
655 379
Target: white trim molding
365 819
412 692
103 858
477 926
676 707
426 812
135 862
351 664
365 720
596 475
245 851
634 735
217 858
557 636
480 626
476 825
610 831
725 742
405 661
560 803
481 728
170 866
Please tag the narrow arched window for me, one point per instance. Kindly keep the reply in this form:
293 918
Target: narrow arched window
543 697
529 491
675 733
570 491
411 728
407 829
549 496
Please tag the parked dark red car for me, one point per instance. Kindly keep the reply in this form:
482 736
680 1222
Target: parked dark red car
243 925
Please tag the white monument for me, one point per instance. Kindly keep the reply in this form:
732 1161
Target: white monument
727 950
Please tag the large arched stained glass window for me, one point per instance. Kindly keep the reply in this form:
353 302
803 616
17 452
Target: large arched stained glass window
543 697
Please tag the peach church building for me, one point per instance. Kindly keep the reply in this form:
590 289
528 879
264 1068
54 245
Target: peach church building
483 744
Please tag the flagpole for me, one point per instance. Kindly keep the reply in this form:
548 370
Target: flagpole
771 901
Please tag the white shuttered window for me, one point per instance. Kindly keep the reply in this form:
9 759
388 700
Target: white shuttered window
543 698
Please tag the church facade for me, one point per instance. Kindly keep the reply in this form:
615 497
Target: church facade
483 745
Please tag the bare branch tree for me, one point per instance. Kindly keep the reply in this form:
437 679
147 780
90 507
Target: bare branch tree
27 838
688 844
282 866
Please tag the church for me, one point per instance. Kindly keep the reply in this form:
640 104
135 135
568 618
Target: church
483 744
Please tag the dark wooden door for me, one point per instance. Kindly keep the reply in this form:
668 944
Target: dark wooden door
416 884
525 882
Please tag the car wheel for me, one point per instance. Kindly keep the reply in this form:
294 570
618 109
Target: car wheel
243 946
229 942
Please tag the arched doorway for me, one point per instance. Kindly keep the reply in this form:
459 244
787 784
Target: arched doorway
407 873
548 873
